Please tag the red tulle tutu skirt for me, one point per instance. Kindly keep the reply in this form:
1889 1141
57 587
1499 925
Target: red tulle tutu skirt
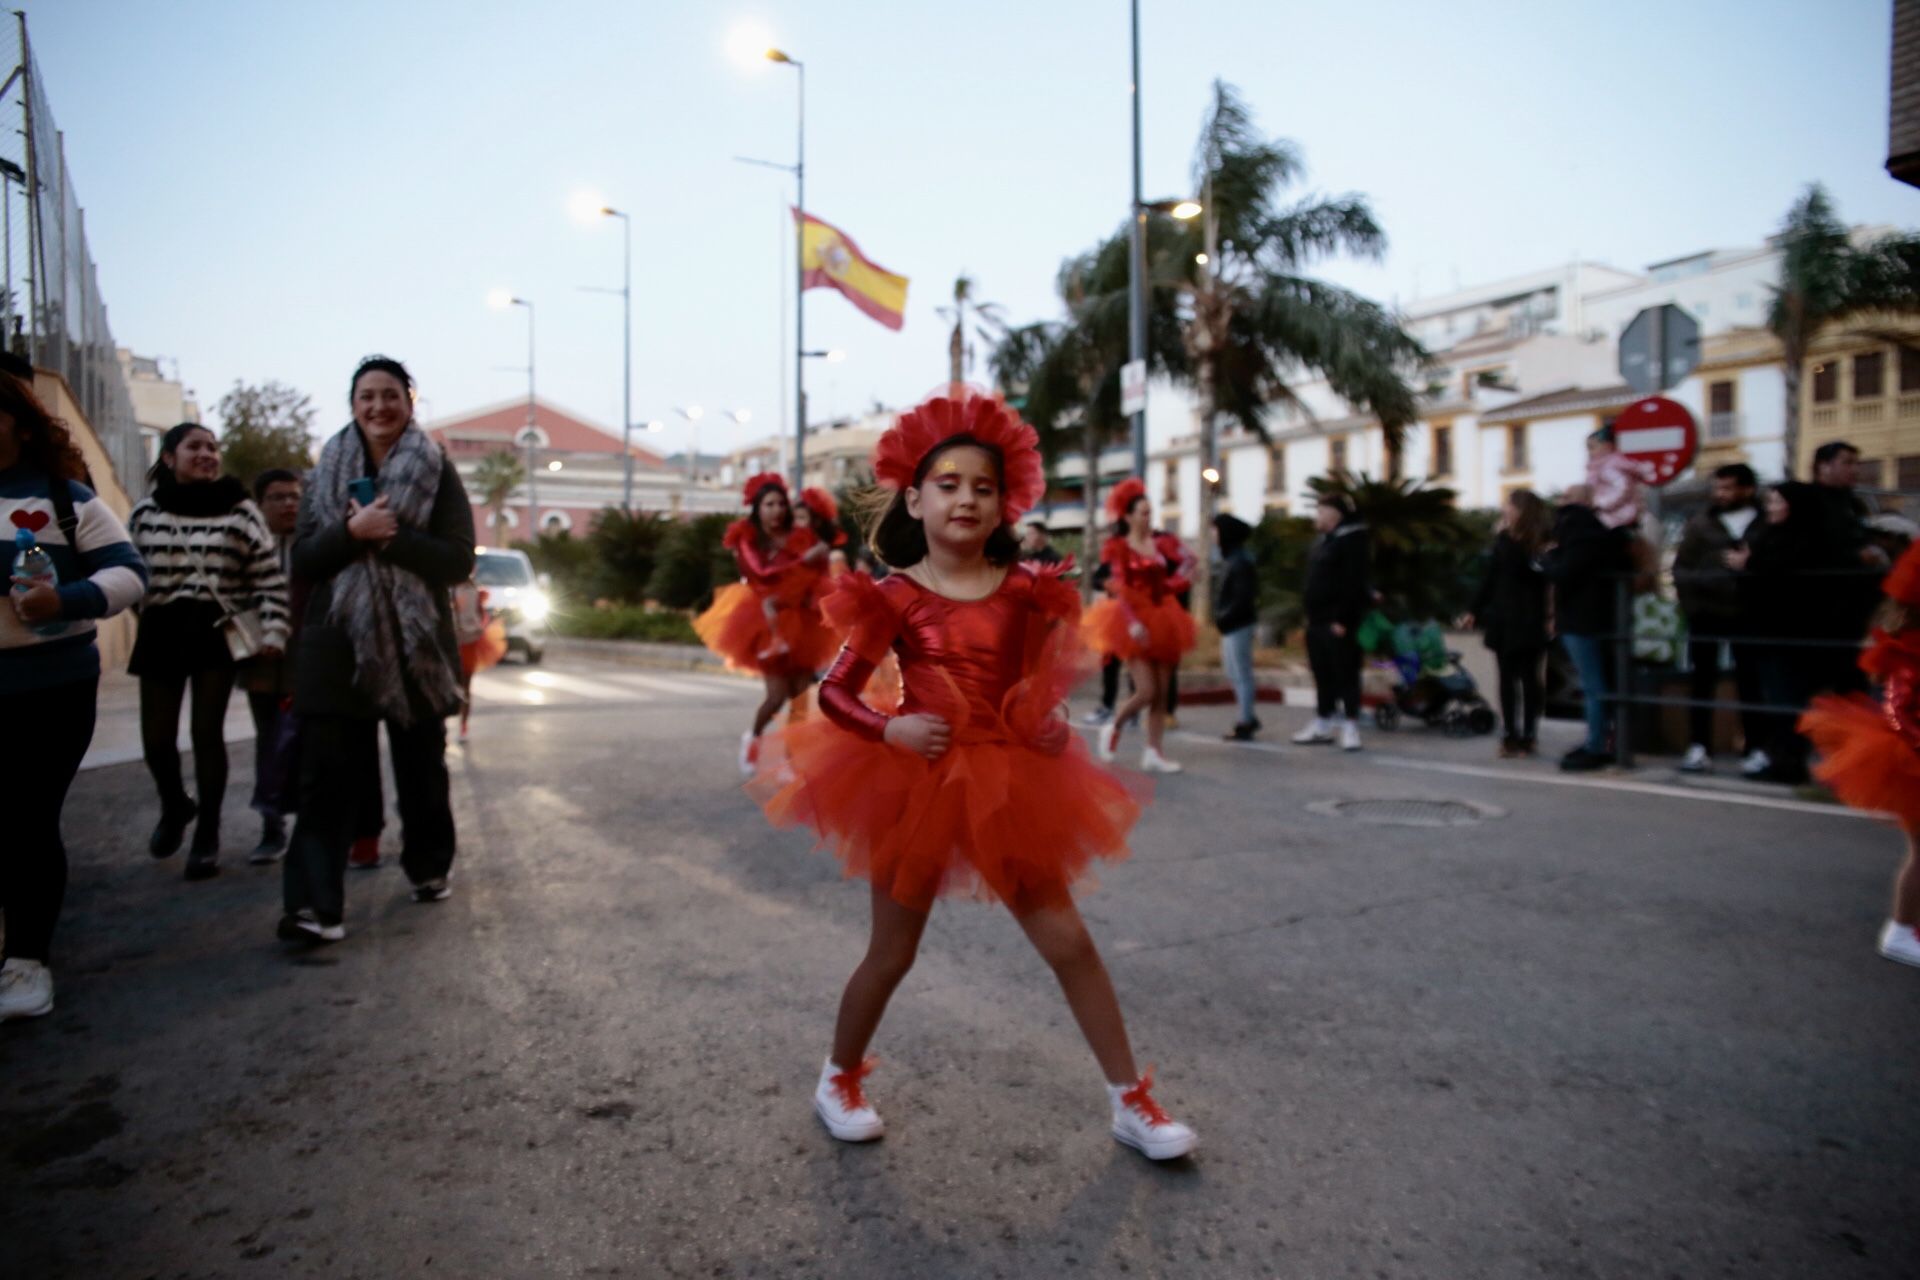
735 628
1170 631
478 655
991 819
1867 764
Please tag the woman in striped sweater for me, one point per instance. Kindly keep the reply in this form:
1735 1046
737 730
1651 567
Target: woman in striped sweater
209 554
49 671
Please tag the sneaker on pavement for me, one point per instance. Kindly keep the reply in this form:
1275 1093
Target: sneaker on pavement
1139 1122
749 753
1349 736
1697 760
1757 762
1152 761
171 830
304 926
1107 743
365 854
1240 733
273 843
1581 760
434 890
842 1105
1318 730
1898 942
1097 716
26 989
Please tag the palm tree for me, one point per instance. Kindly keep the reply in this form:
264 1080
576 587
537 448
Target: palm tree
1241 327
989 327
496 476
1826 278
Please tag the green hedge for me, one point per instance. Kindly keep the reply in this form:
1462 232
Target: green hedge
626 622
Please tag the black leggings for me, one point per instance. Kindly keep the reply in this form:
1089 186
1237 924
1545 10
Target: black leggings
1522 688
33 861
160 698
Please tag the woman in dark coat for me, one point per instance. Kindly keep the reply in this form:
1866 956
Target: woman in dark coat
1511 609
376 644
1781 595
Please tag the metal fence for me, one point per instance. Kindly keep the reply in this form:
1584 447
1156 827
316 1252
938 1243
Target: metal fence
50 304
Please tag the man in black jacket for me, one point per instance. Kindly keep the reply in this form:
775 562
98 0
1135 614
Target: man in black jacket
1336 598
1585 562
1710 598
1233 614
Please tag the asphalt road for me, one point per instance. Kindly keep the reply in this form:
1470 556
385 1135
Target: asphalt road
1618 1029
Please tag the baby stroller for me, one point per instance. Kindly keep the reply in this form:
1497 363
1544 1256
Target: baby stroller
1430 684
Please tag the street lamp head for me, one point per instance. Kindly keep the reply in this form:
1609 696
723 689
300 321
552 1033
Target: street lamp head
836 356
1186 209
588 206
750 44
692 413
774 55
1200 258
655 425
500 299
1210 475
741 416
555 465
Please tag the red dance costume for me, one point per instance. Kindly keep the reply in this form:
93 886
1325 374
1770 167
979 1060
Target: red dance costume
735 625
1143 589
1016 809
1871 749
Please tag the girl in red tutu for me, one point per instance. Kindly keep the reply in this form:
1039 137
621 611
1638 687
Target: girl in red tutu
763 623
482 639
1141 622
1871 749
976 786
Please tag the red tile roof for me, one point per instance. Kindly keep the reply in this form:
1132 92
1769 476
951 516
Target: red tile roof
566 432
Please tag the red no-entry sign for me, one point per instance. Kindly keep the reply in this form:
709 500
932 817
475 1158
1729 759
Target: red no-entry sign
1660 433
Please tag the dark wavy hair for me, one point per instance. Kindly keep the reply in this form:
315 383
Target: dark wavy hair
160 473
44 439
1535 525
753 517
900 539
380 364
1118 529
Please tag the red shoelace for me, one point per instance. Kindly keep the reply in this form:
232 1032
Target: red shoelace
1140 1098
847 1084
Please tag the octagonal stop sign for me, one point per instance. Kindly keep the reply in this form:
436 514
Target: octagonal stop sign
1660 433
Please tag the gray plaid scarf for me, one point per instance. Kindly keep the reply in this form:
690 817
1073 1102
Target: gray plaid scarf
392 616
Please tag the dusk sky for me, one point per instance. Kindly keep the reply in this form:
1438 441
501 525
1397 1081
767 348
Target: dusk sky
274 190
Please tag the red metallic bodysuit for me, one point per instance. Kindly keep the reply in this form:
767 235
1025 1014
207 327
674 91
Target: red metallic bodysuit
1143 589
1015 810
1870 750
735 625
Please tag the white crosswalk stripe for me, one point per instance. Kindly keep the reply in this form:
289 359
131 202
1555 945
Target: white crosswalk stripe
539 687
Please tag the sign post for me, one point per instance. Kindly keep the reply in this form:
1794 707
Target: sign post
1133 388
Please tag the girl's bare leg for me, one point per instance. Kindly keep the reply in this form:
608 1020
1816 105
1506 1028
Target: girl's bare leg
1061 938
1157 708
777 691
891 947
1140 671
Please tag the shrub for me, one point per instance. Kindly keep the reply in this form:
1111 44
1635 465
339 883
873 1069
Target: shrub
570 560
625 547
627 622
691 562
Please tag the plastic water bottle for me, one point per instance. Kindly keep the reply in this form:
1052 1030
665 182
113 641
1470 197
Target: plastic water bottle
31 562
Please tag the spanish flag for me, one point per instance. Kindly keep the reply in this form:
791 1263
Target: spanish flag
829 259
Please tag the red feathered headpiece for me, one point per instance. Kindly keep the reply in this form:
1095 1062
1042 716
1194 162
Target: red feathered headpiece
826 515
983 418
1121 500
751 493
1903 584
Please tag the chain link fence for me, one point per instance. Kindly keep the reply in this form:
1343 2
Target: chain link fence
51 310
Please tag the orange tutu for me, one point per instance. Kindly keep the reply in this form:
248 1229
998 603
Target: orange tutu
1867 764
991 819
1170 630
735 628
478 655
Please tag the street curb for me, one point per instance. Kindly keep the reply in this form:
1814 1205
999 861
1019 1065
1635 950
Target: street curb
640 653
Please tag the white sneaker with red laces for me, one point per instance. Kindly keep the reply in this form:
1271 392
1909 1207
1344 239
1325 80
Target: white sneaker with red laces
749 753
843 1106
1107 743
1901 943
1139 1122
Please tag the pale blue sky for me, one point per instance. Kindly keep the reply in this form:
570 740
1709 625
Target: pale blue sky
273 189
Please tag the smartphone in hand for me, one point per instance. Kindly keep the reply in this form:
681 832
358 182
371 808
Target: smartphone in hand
361 491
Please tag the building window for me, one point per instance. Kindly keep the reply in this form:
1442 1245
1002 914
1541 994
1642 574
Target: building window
1337 455
1170 494
1277 469
1826 382
1442 452
1517 447
1909 369
1869 375
1872 472
1907 474
1721 424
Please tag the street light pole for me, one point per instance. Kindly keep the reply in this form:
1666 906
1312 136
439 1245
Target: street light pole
530 432
626 360
1137 272
800 274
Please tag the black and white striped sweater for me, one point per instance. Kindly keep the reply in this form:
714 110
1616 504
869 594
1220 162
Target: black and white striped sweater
229 560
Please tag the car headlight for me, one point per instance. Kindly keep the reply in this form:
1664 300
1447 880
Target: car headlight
534 606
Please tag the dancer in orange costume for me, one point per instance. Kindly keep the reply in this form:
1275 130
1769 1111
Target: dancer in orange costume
977 786
762 623
482 639
1870 750
1141 622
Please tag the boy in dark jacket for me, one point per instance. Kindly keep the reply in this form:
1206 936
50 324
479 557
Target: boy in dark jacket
1585 562
1233 614
1336 598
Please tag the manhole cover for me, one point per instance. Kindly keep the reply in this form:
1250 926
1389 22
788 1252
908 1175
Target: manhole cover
1408 812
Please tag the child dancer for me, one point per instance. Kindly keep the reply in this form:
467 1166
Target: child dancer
756 624
977 786
1141 622
1871 750
482 640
